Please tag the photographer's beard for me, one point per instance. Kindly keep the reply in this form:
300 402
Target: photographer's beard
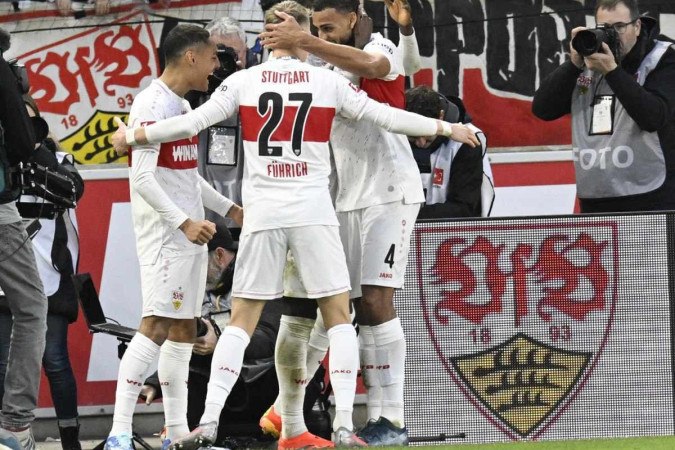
214 271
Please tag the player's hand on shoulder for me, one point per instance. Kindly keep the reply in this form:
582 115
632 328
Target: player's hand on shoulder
119 138
462 133
199 232
236 213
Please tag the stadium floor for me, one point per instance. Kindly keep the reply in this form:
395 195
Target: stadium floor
642 443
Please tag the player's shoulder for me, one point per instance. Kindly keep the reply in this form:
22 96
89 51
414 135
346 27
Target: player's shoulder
379 43
150 101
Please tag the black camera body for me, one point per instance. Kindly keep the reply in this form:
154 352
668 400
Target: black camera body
588 42
228 58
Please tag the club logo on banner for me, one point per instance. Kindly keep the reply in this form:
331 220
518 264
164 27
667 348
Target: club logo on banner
82 81
519 314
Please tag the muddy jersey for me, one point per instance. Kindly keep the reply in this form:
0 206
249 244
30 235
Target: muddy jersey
176 173
375 166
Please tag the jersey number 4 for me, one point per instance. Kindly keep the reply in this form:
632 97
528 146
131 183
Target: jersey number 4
274 102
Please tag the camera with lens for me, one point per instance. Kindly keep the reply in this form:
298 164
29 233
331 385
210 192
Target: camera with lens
588 42
227 57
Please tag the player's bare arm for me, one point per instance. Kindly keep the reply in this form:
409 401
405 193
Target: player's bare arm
236 213
288 34
198 232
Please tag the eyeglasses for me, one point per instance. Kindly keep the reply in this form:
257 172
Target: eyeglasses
619 27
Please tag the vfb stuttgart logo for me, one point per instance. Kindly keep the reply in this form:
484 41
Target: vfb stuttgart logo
519 314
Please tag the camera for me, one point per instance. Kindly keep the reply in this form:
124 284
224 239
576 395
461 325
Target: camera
228 58
588 42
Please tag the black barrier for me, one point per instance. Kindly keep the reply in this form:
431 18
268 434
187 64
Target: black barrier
540 328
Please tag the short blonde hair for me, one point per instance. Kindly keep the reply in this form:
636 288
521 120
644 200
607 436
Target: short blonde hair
290 7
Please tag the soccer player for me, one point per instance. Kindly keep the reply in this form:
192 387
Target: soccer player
167 202
378 199
287 109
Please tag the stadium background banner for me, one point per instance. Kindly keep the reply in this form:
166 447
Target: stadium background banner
493 53
540 328
86 70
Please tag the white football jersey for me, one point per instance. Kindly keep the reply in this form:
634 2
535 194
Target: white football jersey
287 109
176 174
375 166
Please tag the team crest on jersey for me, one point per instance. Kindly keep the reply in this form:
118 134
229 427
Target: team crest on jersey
519 315
177 299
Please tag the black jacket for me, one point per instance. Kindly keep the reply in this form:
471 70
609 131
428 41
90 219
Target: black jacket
19 135
464 185
651 106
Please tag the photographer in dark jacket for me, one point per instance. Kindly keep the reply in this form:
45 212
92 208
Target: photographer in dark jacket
452 172
221 152
19 279
622 102
56 247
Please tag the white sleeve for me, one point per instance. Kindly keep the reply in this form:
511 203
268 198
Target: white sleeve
410 53
213 199
223 103
386 48
143 180
355 104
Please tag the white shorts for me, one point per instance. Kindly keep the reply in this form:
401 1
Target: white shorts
318 254
376 240
174 286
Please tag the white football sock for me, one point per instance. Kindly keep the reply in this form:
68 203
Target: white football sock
317 346
139 355
316 351
343 362
228 358
369 372
173 371
290 358
391 348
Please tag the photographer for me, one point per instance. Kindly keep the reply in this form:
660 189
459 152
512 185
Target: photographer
455 176
619 87
19 279
56 249
220 148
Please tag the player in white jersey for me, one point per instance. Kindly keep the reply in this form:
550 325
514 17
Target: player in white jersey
379 195
167 202
286 109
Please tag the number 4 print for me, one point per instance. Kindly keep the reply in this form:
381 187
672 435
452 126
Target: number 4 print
389 259
277 107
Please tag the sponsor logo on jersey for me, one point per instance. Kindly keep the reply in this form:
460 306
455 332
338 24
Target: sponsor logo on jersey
519 315
185 152
386 275
178 155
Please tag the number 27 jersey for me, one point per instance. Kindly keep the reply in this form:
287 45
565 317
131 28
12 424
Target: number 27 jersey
287 110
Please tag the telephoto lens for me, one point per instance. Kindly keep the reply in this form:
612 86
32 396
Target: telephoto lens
587 42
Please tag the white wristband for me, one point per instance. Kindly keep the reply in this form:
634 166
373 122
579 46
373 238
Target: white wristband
130 137
447 128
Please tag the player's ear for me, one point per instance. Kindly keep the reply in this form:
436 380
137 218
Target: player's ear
353 18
